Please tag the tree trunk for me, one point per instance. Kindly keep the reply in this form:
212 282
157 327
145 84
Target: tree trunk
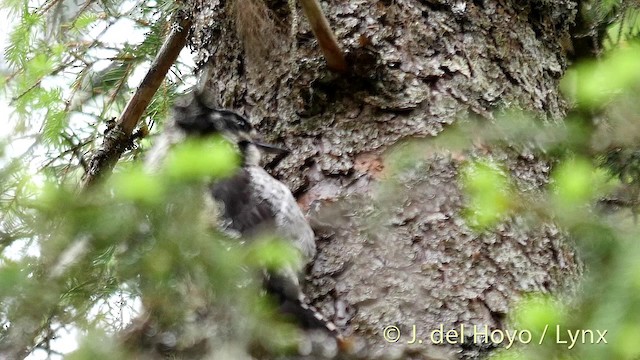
394 248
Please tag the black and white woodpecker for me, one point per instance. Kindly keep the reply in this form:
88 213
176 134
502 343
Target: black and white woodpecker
251 201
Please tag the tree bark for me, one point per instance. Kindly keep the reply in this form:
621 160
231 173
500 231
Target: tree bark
394 248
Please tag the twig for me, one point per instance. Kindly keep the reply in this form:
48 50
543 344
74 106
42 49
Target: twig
74 148
324 34
116 140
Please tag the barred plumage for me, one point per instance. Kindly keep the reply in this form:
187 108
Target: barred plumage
251 201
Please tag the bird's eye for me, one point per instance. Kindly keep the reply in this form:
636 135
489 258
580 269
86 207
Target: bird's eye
242 124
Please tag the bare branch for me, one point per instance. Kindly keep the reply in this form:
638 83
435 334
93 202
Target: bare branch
324 34
116 140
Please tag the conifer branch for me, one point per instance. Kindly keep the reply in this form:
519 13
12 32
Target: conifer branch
118 138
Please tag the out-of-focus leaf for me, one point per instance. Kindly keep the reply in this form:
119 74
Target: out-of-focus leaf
273 254
593 83
539 315
97 346
137 185
489 192
40 65
625 28
84 20
197 159
627 345
11 276
576 184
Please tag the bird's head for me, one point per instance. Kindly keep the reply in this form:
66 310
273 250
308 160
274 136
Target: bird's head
196 118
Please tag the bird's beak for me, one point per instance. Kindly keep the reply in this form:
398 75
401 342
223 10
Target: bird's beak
271 148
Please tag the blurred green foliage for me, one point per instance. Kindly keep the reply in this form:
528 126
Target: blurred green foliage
67 77
191 159
145 235
489 193
592 193
592 84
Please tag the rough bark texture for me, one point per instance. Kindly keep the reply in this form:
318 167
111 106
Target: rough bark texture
393 247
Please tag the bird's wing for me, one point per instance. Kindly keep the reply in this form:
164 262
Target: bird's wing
241 210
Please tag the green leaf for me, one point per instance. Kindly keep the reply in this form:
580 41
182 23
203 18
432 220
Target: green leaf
159 262
593 83
627 344
576 183
197 159
58 50
84 20
40 65
137 185
97 346
21 39
537 313
273 254
17 50
489 193
635 276
13 5
54 125
106 79
162 101
11 276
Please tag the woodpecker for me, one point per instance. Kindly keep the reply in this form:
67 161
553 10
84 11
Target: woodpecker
251 201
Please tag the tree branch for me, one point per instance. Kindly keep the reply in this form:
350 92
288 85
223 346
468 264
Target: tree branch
116 140
324 34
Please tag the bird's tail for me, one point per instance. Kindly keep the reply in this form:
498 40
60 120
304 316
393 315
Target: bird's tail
294 303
